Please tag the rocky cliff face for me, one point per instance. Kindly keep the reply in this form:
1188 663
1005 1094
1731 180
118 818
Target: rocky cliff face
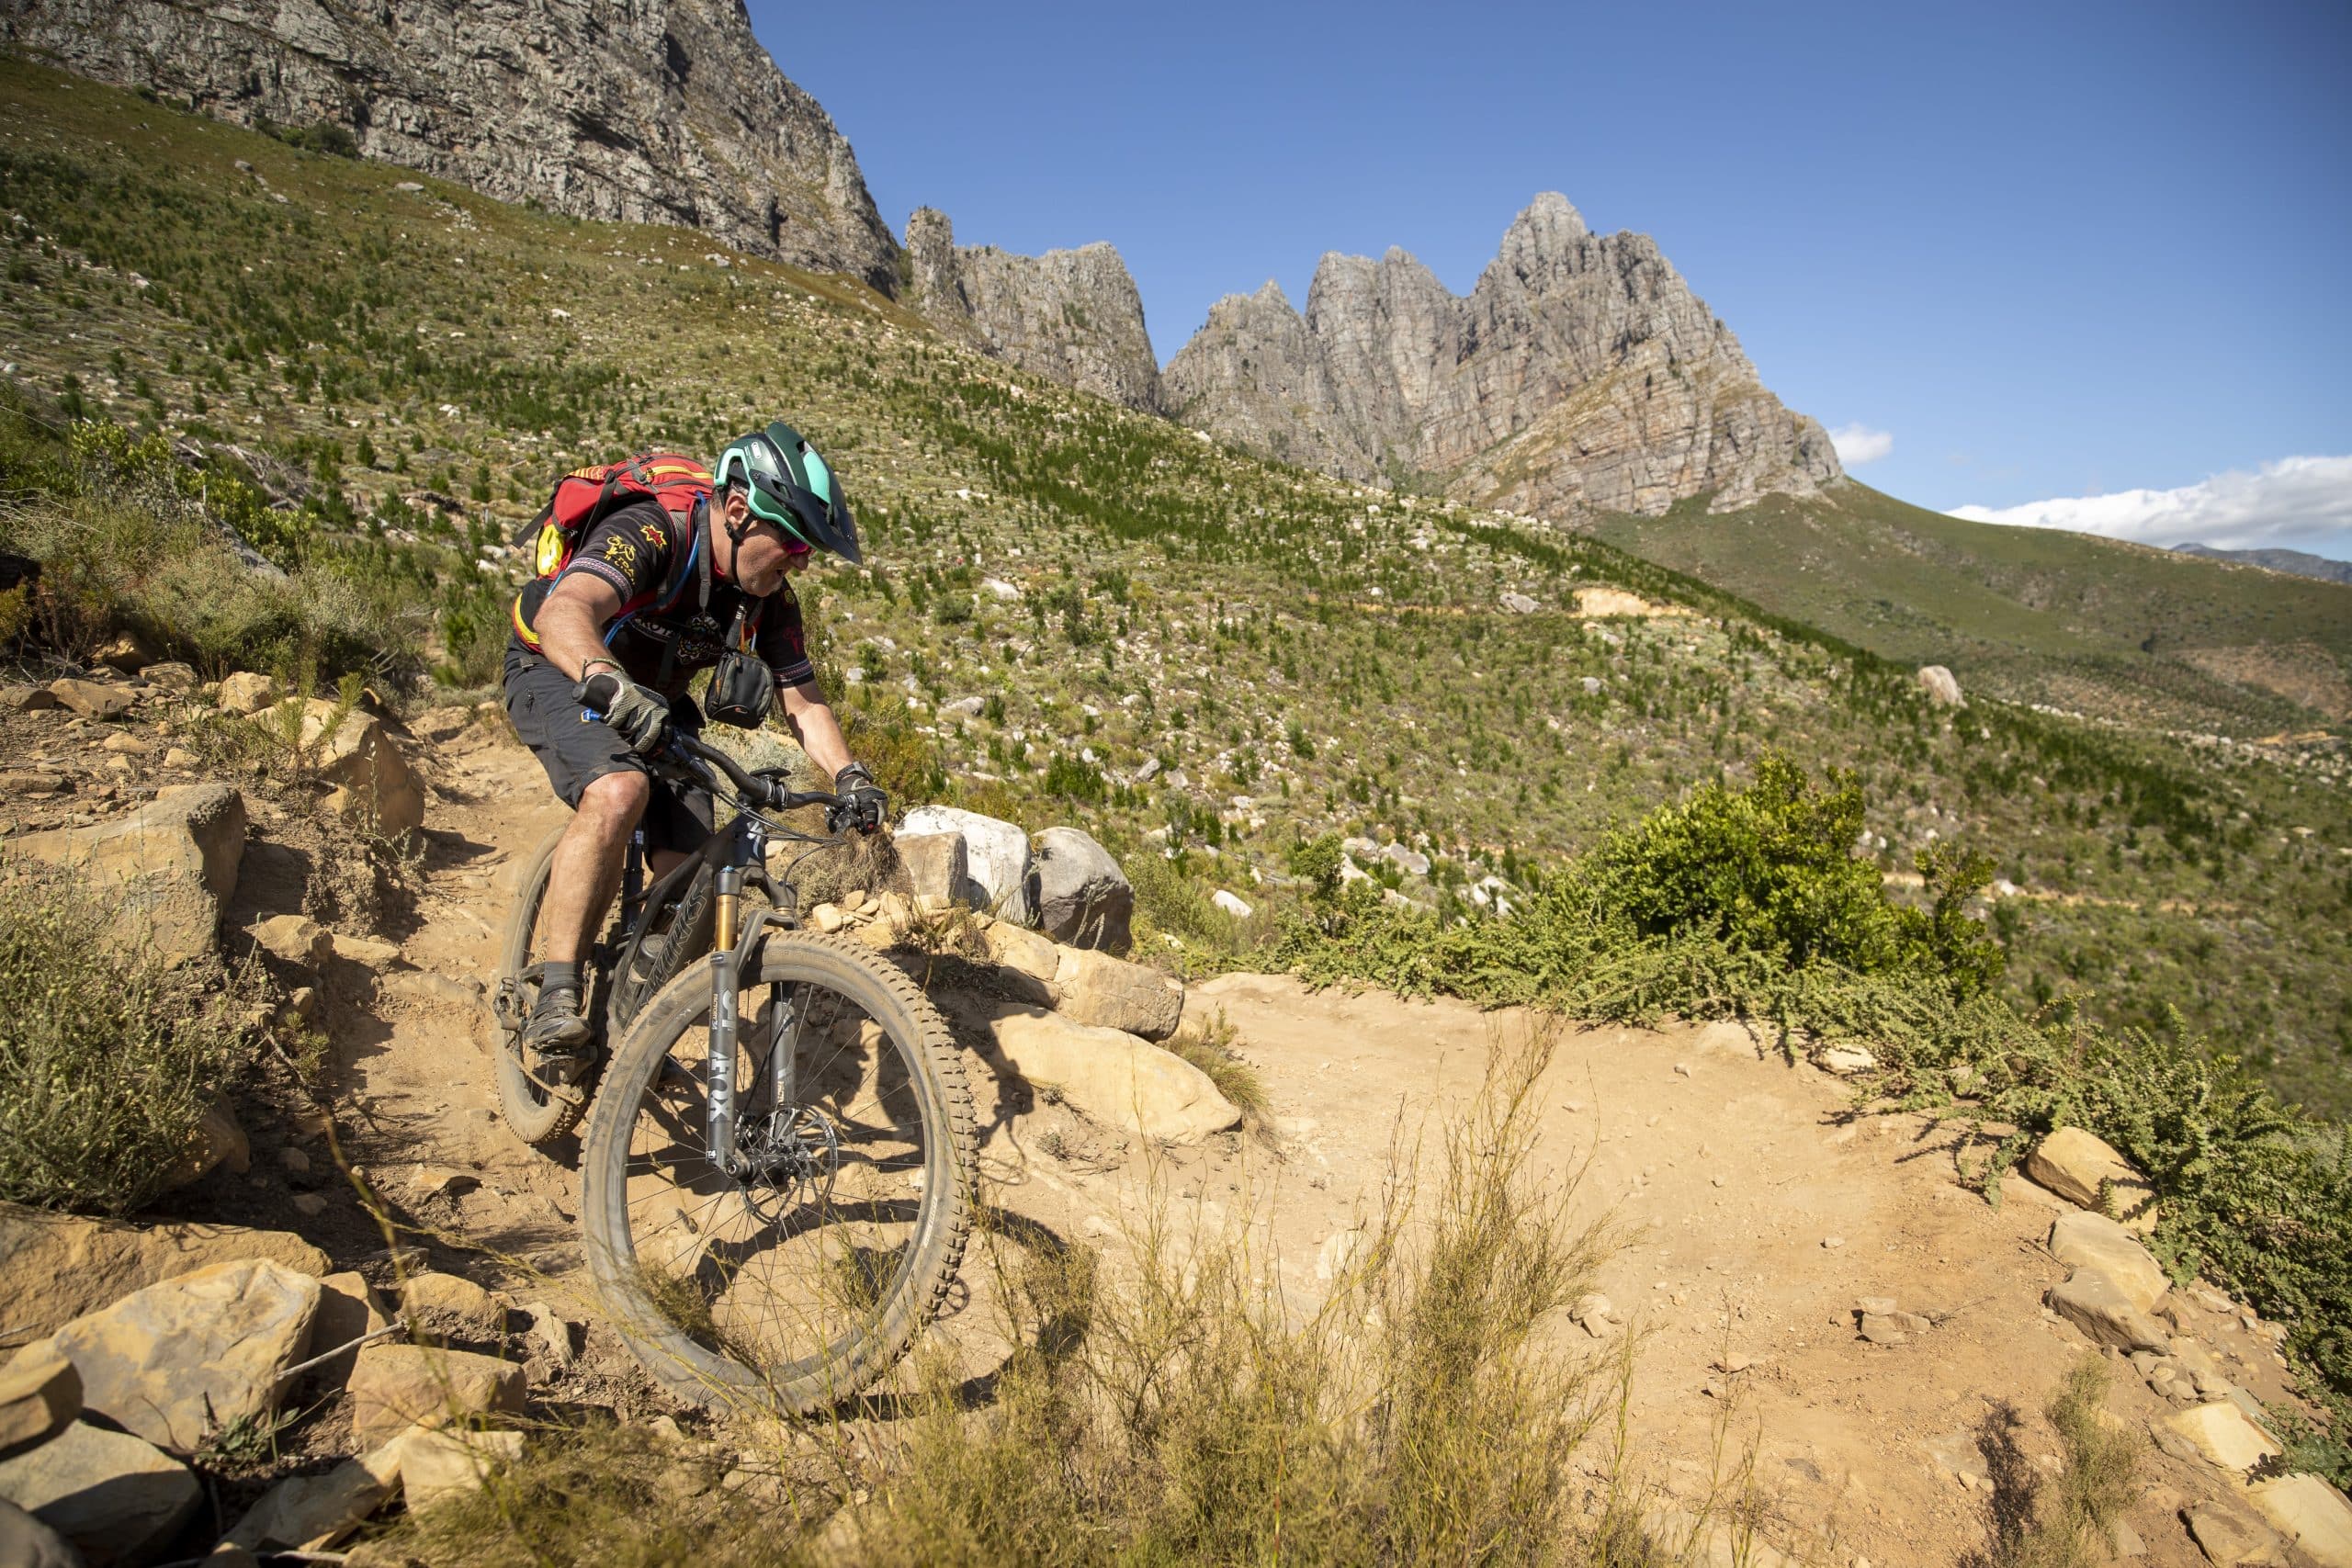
1580 371
1073 315
648 111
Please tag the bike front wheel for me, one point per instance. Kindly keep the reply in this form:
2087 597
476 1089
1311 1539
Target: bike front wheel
800 1277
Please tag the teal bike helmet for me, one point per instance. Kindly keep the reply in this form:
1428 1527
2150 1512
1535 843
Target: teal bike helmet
789 485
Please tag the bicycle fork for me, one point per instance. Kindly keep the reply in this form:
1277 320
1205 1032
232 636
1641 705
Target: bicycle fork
784 1026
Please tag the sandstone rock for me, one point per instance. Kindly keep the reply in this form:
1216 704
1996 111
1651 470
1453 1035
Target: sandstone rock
127 653
219 1140
40 1392
2313 1516
1111 993
1581 371
1519 604
1027 961
435 1464
2099 1306
293 938
365 950
310 1513
1071 315
245 692
170 677
1111 1076
55 1268
1846 1060
935 866
2072 1164
348 1310
2089 1240
1882 1329
26 1543
90 699
1082 897
434 1301
357 754
118 1499
168 866
670 113
2231 1538
2221 1435
1941 689
550 1333
1231 903
179 1361
996 856
394 1387
27 699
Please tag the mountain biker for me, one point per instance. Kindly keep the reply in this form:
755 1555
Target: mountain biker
596 674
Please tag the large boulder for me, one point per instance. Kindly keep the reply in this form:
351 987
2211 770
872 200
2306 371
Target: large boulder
2087 1240
1082 897
167 867
1942 688
91 699
1111 1076
2311 1514
181 1361
310 1513
115 1498
357 754
1112 993
996 857
26 1543
1027 961
2220 1434
245 692
55 1268
394 1387
2075 1164
40 1392
936 866
2100 1308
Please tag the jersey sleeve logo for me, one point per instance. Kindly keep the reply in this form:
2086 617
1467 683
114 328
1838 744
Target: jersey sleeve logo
621 550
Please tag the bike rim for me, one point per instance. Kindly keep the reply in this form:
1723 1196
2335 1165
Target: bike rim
789 1266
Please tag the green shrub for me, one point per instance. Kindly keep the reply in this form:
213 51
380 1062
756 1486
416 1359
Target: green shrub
108 1058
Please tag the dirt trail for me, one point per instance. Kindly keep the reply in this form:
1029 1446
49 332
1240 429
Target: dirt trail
1759 1209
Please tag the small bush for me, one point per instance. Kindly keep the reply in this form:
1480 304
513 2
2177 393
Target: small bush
2068 1520
108 1058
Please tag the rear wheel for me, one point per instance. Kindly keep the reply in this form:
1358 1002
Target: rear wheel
799 1280
534 1115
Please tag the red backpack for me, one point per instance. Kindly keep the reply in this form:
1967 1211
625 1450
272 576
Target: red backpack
586 496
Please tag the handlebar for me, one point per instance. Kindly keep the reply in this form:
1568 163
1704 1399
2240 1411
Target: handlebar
759 790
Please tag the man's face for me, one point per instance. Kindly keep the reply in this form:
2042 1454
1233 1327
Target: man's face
767 553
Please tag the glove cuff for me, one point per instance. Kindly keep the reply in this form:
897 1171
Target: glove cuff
852 775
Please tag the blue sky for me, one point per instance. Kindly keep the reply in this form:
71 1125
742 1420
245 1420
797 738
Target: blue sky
2048 251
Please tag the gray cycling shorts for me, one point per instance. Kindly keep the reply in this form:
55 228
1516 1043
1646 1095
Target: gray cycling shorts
576 751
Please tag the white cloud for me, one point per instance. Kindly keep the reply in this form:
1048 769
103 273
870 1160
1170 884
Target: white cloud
2297 500
1859 443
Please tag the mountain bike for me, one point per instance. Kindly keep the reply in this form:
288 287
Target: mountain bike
777 1169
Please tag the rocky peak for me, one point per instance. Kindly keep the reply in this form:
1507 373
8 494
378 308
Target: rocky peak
1581 370
645 111
1073 315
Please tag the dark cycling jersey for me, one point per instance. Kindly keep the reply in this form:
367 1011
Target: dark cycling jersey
664 632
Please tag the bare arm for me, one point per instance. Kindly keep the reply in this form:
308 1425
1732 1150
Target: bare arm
814 725
570 623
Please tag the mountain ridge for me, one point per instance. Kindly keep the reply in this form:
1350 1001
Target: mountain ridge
2294 563
1581 371
668 111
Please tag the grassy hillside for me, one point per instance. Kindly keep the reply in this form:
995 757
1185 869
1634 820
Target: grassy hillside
2032 613
1205 658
